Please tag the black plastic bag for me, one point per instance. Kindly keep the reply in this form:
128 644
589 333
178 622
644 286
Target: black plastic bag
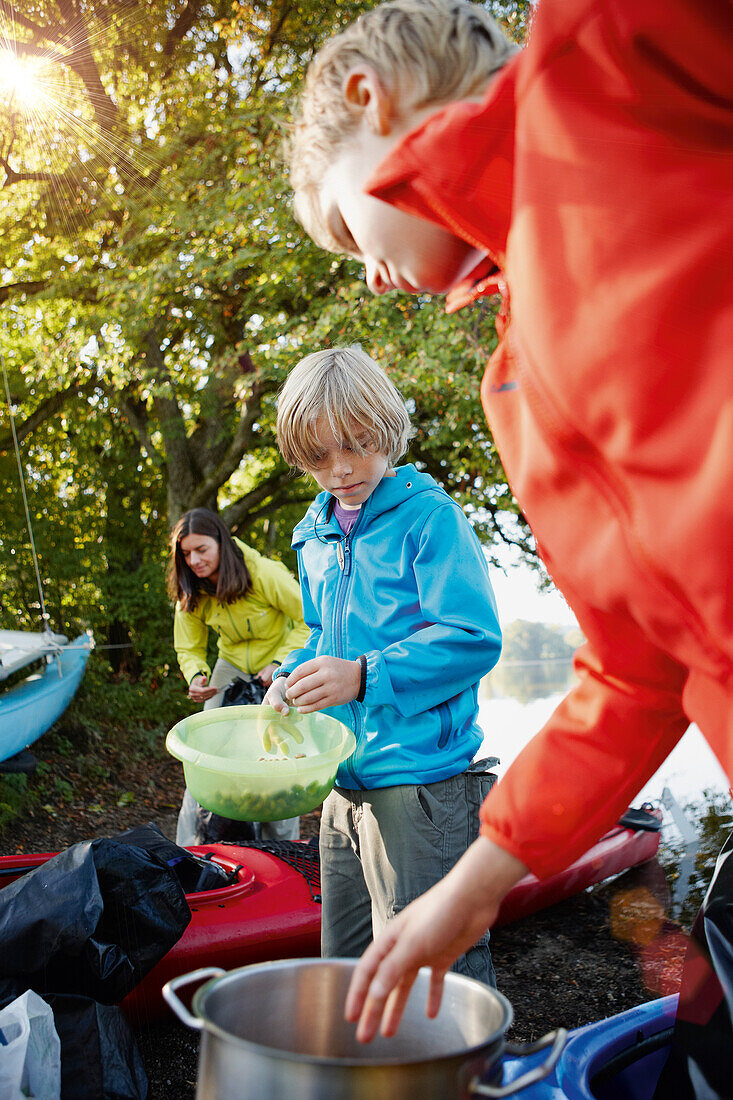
212 828
92 921
244 692
100 1059
700 1062
195 873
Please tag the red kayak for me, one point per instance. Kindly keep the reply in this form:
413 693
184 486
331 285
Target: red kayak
634 840
273 909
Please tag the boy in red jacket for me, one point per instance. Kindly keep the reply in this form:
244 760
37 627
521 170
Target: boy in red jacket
587 179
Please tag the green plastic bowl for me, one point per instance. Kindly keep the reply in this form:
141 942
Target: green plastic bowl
235 766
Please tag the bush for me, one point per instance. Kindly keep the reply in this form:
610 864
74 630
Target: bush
15 797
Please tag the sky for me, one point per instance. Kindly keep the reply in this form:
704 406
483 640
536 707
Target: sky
518 596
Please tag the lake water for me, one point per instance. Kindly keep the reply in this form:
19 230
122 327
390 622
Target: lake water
515 702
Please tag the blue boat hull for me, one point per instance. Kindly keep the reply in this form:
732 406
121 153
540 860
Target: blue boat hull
32 706
616 1059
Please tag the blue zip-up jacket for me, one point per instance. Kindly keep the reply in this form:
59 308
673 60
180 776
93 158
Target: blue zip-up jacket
409 588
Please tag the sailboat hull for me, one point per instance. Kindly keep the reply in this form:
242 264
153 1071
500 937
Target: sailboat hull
30 708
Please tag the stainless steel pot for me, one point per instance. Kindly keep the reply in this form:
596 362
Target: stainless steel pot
275 1031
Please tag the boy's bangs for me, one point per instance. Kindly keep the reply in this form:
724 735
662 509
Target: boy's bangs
350 407
346 390
306 447
350 432
358 435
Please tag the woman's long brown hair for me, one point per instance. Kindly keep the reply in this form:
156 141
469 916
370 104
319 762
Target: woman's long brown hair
233 580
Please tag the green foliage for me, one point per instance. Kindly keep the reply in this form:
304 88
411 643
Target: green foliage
14 797
62 789
106 702
156 291
64 746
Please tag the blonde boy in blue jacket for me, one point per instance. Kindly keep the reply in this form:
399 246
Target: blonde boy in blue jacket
403 625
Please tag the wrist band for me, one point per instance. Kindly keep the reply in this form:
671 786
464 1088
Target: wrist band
362 685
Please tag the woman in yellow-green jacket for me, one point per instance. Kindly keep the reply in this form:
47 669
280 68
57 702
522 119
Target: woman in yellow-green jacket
252 603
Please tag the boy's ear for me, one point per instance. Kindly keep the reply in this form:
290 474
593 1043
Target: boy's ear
363 87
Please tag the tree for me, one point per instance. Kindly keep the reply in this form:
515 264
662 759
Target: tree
535 660
165 222
528 641
156 290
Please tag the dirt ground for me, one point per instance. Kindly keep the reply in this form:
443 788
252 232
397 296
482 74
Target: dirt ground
561 967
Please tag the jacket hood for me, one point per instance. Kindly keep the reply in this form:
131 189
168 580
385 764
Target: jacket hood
390 493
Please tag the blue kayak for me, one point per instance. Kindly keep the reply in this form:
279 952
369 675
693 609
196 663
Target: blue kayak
31 707
616 1059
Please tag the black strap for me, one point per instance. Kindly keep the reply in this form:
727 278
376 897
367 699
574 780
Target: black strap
362 683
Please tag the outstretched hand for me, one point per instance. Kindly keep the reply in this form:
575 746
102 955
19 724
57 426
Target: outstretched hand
432 931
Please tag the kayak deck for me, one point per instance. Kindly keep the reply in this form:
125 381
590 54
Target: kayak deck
273 910
616 851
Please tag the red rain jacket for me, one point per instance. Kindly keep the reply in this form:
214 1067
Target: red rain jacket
596 175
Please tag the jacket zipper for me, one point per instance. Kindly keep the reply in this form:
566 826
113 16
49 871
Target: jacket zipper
344 558
240 639
237 633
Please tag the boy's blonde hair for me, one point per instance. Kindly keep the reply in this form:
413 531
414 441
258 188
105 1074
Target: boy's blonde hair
346 387
426 52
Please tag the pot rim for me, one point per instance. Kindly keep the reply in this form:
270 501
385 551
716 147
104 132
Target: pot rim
494 1042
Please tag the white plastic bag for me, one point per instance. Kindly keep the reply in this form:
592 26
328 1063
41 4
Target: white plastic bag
30 1051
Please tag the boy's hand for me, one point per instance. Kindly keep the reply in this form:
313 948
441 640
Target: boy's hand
432 931
199 689
322 682
275 696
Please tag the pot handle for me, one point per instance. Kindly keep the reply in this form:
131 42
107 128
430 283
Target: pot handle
169 993
556 1038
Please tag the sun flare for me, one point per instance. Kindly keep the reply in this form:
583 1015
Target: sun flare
19 77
